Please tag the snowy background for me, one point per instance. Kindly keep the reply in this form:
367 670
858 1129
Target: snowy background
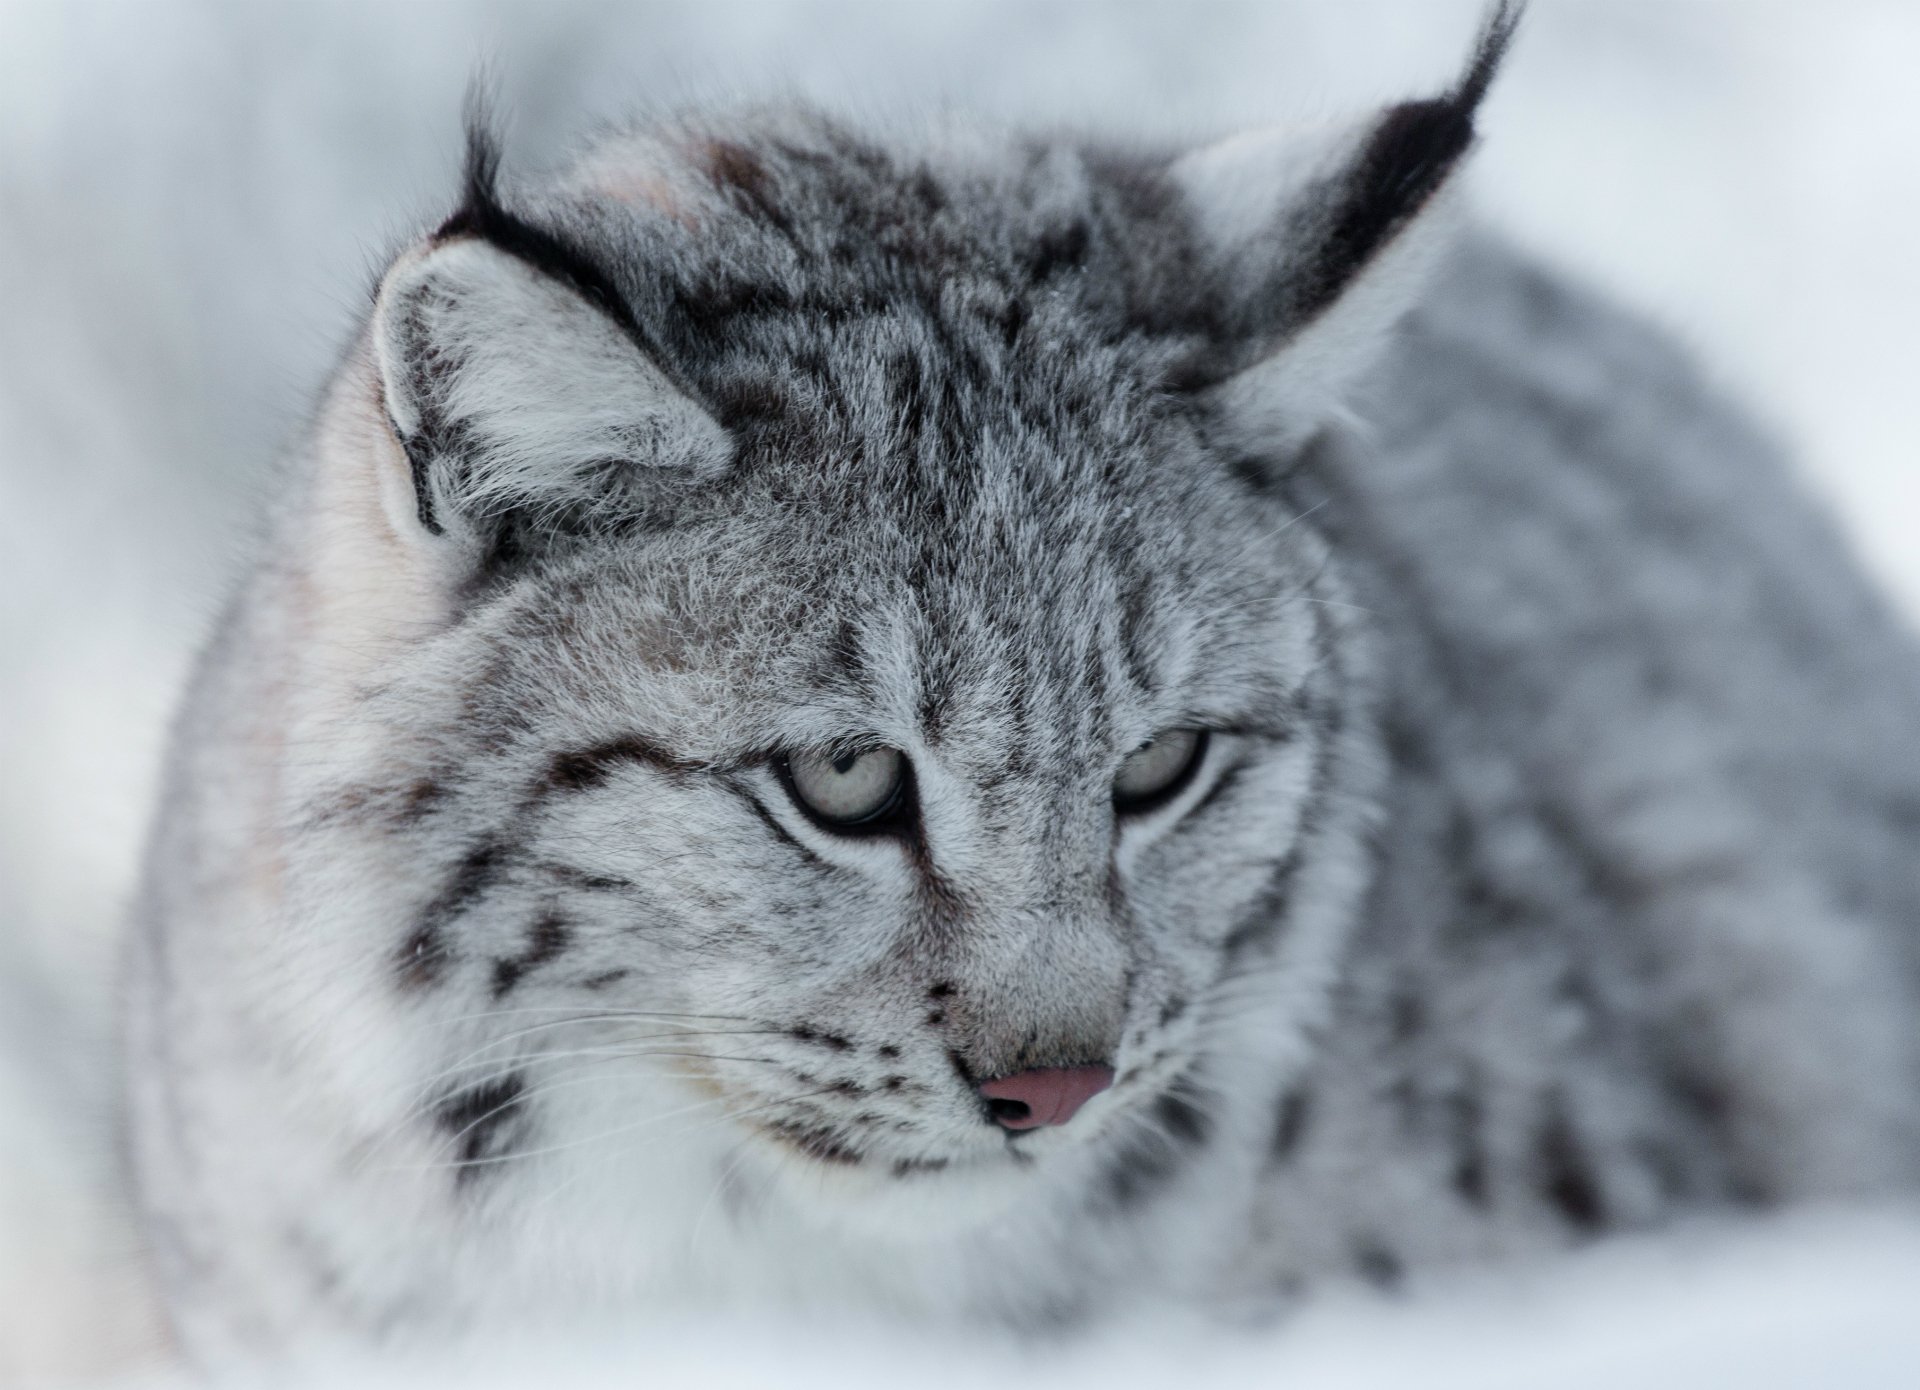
194 198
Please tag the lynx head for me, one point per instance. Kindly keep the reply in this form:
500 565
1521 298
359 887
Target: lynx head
832 633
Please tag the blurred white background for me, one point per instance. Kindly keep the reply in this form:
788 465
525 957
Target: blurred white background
194 198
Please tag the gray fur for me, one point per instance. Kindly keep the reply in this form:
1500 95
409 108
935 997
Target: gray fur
1553 870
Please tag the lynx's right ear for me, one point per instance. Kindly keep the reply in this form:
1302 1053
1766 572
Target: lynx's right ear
1312 249
523 396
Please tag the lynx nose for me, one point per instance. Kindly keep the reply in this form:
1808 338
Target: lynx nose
1043 1096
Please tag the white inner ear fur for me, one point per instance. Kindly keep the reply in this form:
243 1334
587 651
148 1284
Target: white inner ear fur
1250 191
542 388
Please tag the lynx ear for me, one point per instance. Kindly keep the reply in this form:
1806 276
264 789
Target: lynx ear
522 403
1316 247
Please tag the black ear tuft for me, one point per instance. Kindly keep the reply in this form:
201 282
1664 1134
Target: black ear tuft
1405 160
480 172
483 213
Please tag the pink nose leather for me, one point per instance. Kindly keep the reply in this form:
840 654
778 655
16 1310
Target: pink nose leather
1044 1096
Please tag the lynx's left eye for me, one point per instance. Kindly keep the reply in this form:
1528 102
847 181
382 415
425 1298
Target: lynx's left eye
853 791
1156 771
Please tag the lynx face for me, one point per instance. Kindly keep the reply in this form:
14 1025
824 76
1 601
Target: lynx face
859 787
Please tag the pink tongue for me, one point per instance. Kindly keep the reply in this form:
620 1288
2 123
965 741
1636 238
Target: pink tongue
1052 1095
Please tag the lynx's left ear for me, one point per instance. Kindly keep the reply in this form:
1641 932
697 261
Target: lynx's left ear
1315 248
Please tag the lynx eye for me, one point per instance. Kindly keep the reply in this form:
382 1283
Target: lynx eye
1155 772
850 791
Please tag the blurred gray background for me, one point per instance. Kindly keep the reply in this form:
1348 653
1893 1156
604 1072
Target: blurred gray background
195 197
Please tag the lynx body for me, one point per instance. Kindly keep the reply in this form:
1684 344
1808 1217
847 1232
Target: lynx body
1539 856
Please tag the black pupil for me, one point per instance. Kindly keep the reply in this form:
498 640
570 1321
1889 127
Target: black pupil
844 763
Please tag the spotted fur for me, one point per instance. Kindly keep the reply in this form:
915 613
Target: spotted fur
1552 869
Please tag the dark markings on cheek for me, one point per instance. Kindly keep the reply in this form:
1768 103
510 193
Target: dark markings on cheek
889 1052
423 958
396 805
1222 788
1146 1166
893 1083
420 798
583 769
483 1123
942 903
961 1069
604 979
940 991
573 876
1268 913
780 832
1566 1174
853 1090
817 1143
547 939
1183 1119
1290 1125
1139 1172
907 1167
1173 1009
1378 1265
808 1034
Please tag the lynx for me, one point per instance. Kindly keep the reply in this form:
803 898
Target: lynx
989 729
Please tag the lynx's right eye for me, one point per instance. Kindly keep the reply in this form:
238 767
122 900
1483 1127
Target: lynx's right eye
854 791
1155 772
